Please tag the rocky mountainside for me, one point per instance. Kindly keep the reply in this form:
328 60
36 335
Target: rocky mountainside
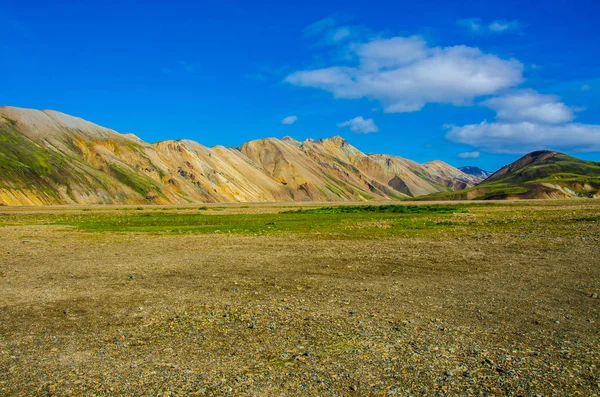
538 175
475 171
47 157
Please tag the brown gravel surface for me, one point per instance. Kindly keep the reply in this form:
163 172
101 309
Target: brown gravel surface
514 312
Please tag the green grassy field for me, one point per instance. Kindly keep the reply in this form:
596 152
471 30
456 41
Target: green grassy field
356 221
349 221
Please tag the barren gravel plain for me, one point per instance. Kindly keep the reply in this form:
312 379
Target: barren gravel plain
478 299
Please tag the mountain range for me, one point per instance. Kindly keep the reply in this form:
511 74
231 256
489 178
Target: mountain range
48 157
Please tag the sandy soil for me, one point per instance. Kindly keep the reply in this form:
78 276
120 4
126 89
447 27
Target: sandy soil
512 310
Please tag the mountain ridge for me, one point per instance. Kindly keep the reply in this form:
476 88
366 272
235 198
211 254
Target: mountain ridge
48 157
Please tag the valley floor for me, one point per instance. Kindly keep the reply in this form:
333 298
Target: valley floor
470 299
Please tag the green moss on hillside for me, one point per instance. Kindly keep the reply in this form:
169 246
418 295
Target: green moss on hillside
137 182
20 156
26 165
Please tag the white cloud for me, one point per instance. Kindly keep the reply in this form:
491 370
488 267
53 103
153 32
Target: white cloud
320 26
529 105
289 120
341 34
527 121
469 155
526 136
405 73
391 53
474 25
360 125
586 87
330 31
503 26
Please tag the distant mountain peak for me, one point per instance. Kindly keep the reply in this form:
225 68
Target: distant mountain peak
475 171
336 140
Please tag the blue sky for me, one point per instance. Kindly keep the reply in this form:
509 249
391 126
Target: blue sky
480 82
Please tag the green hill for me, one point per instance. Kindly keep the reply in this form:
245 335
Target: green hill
537 175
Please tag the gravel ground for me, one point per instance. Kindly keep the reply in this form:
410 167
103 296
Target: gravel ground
512 310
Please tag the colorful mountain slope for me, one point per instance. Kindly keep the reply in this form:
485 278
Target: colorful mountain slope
47 157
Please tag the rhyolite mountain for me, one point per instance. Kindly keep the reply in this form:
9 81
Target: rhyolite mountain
47 157
475 171
542 174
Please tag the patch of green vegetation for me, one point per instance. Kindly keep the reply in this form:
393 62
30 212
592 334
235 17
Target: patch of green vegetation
501 191
366 196
344 223
381 209
339 187
417 173
278 361
24 163
20 156
322 191
482 192
397 196
521 220
134 146
335 190
344 164
587 218
141 184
